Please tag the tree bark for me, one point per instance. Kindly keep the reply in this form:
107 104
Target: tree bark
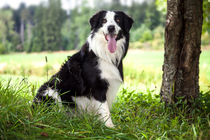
22 31
182 50
29 31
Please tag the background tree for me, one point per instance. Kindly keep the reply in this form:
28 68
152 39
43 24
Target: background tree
153 16
54 18
48 24
38 32
7 34
182 50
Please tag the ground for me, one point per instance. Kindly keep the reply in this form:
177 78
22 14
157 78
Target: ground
137 112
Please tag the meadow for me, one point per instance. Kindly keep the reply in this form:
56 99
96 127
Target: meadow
137 112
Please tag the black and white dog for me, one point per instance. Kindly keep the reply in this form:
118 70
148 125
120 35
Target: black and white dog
90 78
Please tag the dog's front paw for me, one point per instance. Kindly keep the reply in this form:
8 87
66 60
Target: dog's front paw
109 124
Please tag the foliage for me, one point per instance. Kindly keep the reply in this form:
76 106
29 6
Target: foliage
161 6
142 34
153 16
47 27
2 49
206 16
72 30
137 33
146 36
205 39
143 37
48 24
7 34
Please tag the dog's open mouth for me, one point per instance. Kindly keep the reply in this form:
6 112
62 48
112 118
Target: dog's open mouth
112 43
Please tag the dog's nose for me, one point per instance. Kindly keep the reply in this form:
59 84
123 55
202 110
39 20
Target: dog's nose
111 28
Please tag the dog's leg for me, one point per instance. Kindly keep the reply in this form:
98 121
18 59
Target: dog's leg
48 95
94 106
103 110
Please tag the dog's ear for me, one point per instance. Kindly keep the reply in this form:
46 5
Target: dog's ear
127 21
95 19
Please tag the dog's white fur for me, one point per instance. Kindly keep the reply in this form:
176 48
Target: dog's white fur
110 21
112 75
93 106
53 94
98 44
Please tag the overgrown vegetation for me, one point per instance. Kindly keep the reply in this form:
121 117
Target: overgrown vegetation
137 112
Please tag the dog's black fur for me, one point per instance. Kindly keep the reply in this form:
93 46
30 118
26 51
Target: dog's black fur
78 76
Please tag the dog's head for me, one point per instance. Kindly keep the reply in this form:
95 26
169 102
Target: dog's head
111 27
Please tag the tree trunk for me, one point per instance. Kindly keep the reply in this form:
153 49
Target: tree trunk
22 31
182 50
29 31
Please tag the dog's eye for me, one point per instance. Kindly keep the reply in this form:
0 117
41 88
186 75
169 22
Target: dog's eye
117 20
104 20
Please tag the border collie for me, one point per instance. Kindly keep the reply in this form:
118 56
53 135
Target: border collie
90 78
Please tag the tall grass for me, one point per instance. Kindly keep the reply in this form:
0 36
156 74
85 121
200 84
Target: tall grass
136 114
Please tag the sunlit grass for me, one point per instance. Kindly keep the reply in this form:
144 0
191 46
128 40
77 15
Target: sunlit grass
142 69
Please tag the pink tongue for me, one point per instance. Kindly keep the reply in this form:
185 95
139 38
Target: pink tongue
111 43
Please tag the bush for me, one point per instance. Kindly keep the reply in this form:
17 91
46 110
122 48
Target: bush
158 32
157 44
143 37
136 34
147 35
136 45
143 33
205 39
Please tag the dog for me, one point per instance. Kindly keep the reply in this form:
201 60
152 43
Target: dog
90 79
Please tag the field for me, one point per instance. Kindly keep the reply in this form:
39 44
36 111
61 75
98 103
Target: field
137 112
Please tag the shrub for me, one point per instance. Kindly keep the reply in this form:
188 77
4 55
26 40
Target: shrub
158 32
157 44
147 35
136 34
142 32
205 39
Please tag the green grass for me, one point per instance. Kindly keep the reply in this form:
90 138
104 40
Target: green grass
137 112
136 115
142 68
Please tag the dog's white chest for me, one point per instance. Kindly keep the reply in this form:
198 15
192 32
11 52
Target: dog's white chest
110 73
